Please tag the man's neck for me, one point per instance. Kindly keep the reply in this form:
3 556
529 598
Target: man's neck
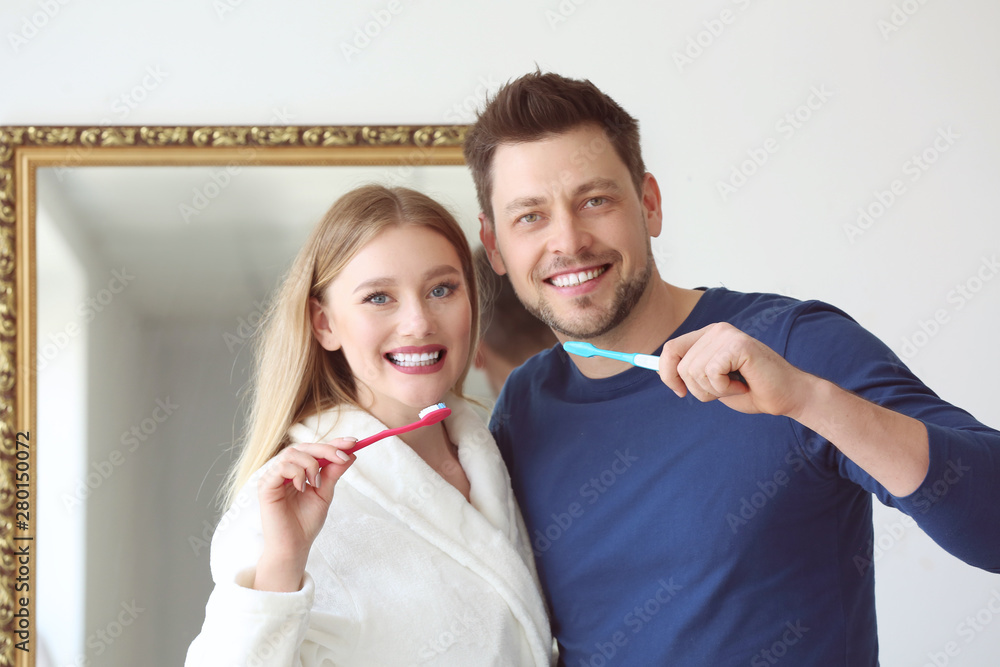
660 311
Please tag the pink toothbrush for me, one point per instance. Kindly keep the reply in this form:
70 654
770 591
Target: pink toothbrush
429 415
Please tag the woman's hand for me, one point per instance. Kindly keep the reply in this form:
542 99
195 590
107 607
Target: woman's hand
292 514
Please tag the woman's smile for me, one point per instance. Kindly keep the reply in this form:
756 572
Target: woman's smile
416 360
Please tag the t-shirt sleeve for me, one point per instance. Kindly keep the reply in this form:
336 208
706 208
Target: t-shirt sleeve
958 503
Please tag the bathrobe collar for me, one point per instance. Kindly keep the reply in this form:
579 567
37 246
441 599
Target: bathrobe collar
483 533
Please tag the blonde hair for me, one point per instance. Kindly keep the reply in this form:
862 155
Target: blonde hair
294 377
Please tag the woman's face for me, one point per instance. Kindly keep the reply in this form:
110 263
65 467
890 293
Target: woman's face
400 311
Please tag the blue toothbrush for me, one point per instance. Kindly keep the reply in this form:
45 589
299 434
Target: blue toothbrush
587 350
649 361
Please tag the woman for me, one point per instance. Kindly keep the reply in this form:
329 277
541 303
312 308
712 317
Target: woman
411 551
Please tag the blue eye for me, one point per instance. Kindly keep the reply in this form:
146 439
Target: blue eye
442 291
378 298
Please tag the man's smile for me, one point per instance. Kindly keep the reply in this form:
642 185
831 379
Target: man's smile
573 278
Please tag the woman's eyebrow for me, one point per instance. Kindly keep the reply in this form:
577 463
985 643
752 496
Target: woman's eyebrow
440 270
374 283
389 281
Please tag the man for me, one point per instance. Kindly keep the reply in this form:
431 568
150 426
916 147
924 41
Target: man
694 518
510 333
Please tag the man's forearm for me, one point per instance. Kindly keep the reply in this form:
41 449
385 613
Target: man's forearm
891 447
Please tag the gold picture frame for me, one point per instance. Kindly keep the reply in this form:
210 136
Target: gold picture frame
23 149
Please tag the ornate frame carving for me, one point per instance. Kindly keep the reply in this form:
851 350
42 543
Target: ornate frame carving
22 150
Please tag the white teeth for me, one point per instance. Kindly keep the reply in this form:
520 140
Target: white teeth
422 359
570 279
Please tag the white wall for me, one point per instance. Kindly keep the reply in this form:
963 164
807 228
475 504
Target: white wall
199 376
62 419
887 95
92 387
119 507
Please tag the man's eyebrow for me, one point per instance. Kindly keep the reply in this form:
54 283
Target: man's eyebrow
598 184
387 281
522 203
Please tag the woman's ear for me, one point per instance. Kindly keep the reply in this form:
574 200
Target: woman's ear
322 326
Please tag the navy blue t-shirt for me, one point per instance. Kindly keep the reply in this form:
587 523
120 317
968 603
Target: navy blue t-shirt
670 531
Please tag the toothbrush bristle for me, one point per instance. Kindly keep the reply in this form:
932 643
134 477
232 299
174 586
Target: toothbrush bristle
426 411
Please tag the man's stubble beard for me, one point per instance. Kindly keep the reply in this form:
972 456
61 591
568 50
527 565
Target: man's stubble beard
627 295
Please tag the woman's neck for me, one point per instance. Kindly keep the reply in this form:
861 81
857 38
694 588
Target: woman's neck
431 443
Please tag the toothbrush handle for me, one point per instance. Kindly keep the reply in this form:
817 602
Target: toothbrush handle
428 417
646 361
383 434
368 441
653 363
365 442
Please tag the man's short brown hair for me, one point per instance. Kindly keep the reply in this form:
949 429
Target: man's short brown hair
536 106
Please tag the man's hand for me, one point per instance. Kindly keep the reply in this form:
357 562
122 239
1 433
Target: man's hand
700 362
889 446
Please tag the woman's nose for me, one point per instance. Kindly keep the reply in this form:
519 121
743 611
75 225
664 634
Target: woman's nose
416 319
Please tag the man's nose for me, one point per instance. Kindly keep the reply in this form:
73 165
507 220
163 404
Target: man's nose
568 234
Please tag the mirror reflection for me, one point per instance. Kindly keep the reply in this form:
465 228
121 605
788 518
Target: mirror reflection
150 283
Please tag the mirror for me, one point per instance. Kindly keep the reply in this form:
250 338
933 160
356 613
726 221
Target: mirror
134 266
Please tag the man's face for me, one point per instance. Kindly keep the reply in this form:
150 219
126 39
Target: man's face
571 231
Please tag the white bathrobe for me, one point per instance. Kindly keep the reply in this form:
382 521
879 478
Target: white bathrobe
404 572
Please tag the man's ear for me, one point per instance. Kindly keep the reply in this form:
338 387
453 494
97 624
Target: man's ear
652 204
322 326
487 234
